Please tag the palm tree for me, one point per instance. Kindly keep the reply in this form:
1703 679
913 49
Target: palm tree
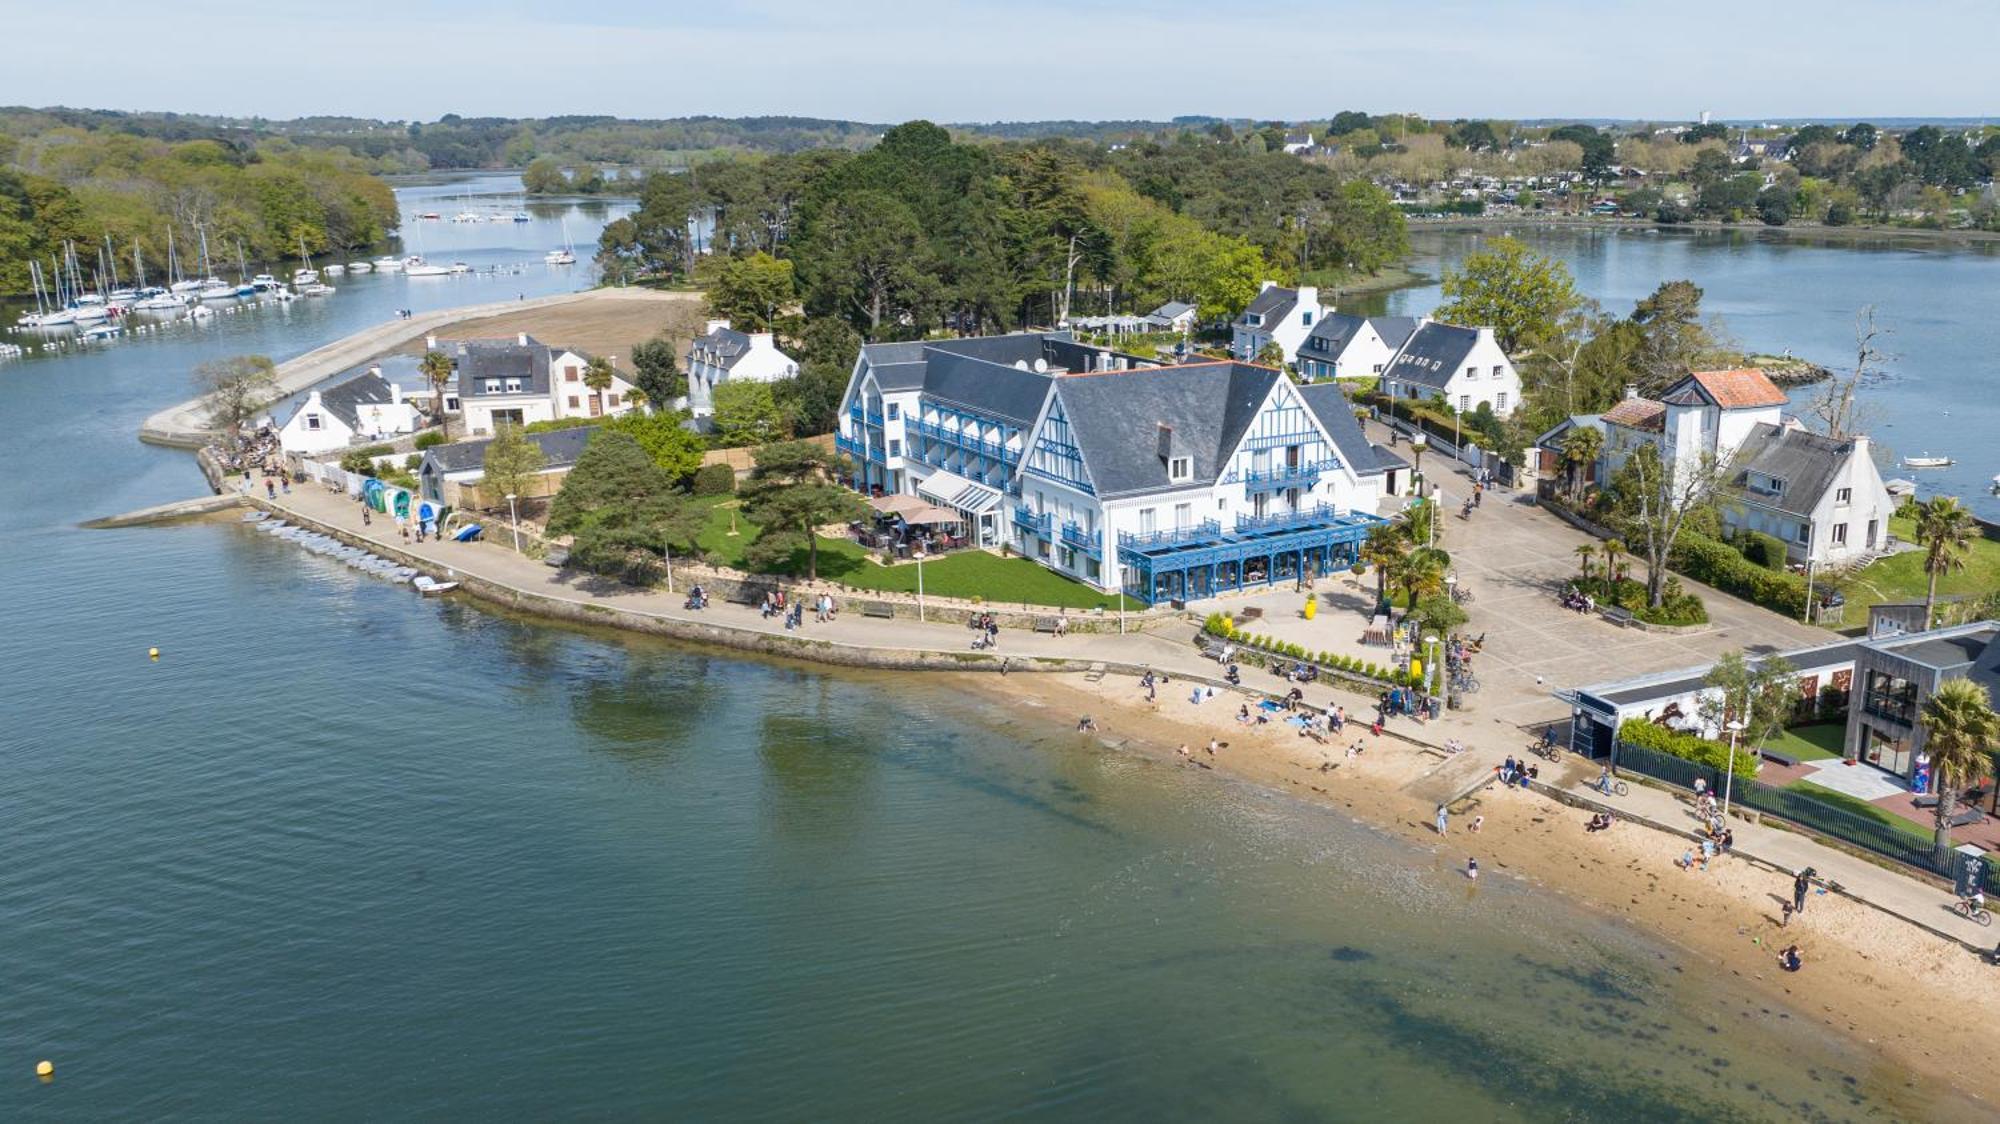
597 376
1584 553
1959 731
1421 574
1383 550
1614 549
1945 530
436 368
1581 449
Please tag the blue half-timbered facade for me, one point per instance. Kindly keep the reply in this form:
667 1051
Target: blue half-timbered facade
1174 482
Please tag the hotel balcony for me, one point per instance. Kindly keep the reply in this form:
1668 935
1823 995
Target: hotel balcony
851 447
1283 476
1037 524
1287 520
1208 530
1090 542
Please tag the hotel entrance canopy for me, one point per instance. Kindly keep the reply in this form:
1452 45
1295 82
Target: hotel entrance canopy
1191 563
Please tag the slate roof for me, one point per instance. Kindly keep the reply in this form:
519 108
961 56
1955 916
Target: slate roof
1114 417
344 400
1394 330
1171 310
1273 305
987 387
479 360
1553 438
1335 411
1637 413
1805 465
560 448
896 366
1434 353
1333 333
726 345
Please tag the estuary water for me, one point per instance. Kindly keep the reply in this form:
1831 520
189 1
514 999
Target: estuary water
343 852
1938 305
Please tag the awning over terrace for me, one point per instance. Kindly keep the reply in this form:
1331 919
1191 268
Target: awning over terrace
1196 562
952 490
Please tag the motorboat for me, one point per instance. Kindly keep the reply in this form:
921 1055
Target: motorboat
416 266
102 332
559 257
387 264
523 216
335 269
460 267
431 215
263 282
316 289
360 267
1927 461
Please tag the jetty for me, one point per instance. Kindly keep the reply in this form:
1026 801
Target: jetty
169 512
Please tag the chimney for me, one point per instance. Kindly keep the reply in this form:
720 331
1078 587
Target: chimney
395 394
761 340
521 339
1309 296
312 399
717 325
1266 285
1631 390
430 342
1166 441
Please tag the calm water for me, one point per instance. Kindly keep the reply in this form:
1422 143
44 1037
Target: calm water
345 852
1775 293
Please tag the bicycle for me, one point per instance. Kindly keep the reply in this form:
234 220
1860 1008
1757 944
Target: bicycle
1464 684
1549 748
1610 786
1973 909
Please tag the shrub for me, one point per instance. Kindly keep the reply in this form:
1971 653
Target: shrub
429 440
1688 747
413 462
1717 564
1762 549
362 460
714 480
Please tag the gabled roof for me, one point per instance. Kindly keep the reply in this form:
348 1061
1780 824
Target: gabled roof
1637 413
1335 411
1434 353
1172 310
1744 388
896 366
479 360
1115 416
1553 438
992 389
1394 330
1333 333
345 400
1804 464
727 345
1273 304
560 448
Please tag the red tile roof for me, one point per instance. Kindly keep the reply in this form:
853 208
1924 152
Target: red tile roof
1637 413
1741 389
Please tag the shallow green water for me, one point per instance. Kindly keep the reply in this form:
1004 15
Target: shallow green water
347 853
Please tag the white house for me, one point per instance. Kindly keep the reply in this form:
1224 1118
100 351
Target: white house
1823 497
362 409
449 473
1464 365
1170 482
723 354
1297 144
523 380
1275 315
1345 346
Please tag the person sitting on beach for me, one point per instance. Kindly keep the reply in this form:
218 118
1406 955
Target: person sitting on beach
1790 960
1088 725
1507 772
1214 745
1728 840
1293 698
1686 861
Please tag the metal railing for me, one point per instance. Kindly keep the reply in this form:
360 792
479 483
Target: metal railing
1208 530
1288 520
849 446
1039 524
1090 542
1285 475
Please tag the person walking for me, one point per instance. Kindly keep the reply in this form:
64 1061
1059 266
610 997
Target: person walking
1472 869
1443 820
1799 887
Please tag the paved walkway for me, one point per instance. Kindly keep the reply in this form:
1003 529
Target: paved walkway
1166 648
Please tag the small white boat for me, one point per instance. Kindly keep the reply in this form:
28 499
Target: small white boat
215 290
559 257
1927 461
428 585
523 216
304 276
263 282
387 264
416 266
460 267
316 289
186 287
336 269
201 312
103 332
361 267
283 295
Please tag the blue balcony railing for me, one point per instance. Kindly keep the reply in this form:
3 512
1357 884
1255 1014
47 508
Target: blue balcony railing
1284 476
854 411
1038 524
1208 530
849 446
1090 542
874 417
1287 520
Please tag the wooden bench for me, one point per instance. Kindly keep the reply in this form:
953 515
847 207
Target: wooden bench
1048 624
1621 617
881 609
1773 755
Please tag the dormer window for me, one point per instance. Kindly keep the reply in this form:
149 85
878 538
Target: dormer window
1253 319
1180 469
1764 485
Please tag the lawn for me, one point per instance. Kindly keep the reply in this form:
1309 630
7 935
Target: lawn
1861 808
1817 742
969 574
1901 577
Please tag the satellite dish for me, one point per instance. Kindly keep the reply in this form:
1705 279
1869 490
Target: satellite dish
1020 364
1041 366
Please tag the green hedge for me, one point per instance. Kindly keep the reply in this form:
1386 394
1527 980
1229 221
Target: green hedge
1718 564
1764 550
1219 624
429 440
714 480
1687 747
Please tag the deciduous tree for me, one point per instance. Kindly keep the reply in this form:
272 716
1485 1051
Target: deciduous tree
234 389
510 462
791 493
1519 293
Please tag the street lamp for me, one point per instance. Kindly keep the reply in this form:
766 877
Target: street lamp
919 556
514 517
1417 445
1430 667
1729 784
667 553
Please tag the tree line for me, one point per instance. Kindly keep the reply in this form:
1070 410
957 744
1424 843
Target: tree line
74 184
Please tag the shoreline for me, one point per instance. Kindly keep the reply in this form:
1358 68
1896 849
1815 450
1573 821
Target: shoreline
1725 918
1711 226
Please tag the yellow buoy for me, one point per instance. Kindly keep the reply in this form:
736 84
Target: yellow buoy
45 1068
153 653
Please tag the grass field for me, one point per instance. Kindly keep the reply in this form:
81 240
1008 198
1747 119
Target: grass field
1858 807
607 324
1816 742
1902 578
968 574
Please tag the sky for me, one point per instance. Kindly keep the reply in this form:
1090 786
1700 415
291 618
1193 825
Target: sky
1007 60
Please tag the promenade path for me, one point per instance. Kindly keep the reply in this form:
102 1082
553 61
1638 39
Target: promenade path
186 424
1167 647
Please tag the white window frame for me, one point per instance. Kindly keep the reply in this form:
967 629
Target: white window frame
1180 468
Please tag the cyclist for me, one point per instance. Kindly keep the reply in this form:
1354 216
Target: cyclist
1604 780
1974 905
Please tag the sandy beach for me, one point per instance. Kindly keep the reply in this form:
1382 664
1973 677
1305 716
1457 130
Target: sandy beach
1911 995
